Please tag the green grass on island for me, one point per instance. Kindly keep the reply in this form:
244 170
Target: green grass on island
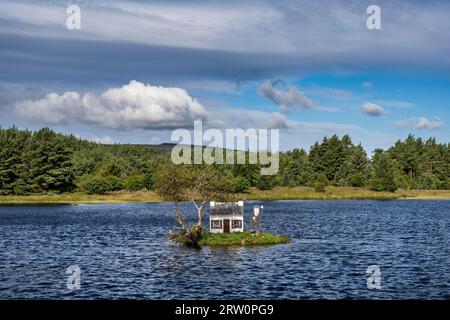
246 238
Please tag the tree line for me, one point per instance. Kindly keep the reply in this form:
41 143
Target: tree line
48 162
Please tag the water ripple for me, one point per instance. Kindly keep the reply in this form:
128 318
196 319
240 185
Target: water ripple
123 252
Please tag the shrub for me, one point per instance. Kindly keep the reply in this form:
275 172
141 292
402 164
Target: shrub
443 185
356 180
265 183
403 181
148 180
134 183
114 183
20 187
111 169
427 182
189 237
241 184
342 183
96 185
321 183
376 185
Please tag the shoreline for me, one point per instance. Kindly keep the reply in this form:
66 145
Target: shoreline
277 194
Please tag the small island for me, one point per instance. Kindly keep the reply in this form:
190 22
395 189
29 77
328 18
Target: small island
196 237
226 223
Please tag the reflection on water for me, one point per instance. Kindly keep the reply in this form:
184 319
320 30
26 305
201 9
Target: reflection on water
123 252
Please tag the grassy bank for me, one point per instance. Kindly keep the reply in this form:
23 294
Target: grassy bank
305 193
245 238
279 193
424 194
340 193
79 197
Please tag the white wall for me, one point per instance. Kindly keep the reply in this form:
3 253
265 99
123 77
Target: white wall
231 223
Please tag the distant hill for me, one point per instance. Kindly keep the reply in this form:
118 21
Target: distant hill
160 148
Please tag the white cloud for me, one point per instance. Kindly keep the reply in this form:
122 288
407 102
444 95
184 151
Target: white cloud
135 105
373 109
103 140
285 99
245 119
420 123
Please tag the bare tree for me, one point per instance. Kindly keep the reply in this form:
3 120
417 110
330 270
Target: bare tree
171 183
208 184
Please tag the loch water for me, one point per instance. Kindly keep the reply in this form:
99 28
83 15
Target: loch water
123 252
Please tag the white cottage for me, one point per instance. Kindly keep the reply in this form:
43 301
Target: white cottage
226 217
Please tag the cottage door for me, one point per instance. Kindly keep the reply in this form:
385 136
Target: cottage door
226 225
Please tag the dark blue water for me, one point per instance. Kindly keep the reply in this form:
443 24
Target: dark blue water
123 252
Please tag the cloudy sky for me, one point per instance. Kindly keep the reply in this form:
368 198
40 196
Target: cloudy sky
136 70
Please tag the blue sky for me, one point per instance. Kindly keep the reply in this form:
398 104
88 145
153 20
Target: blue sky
136 70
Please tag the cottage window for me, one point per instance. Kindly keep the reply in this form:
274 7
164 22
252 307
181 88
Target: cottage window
216 224
237 224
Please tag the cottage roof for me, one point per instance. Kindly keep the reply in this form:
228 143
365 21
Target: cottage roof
227 208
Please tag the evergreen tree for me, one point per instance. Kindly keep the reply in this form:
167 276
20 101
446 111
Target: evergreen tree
408 154
333 156
358 161
12 143
383 172
298 171
47 161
